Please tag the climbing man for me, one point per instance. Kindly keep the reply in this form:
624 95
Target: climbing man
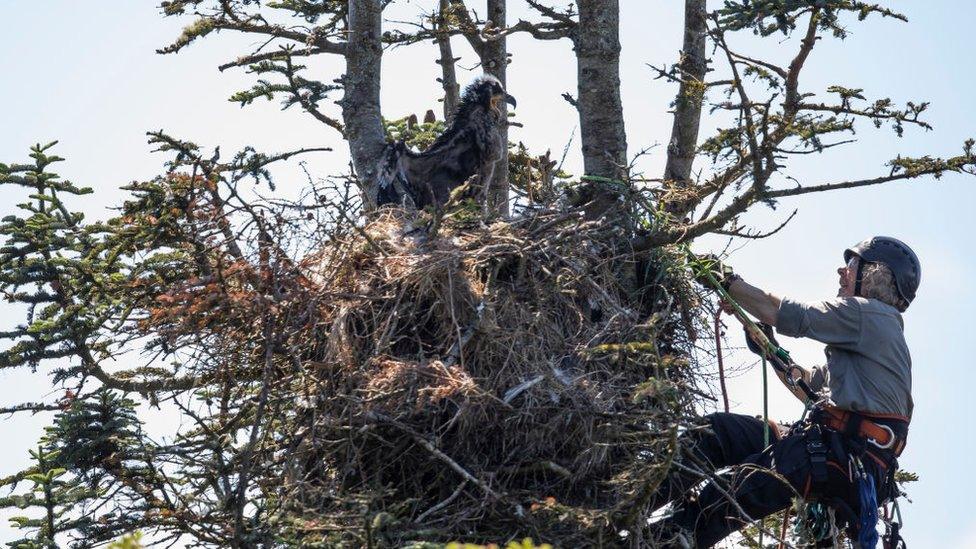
847 448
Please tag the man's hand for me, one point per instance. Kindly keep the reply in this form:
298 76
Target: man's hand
722 273
754 345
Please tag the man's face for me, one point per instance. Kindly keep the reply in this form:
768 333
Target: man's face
848 277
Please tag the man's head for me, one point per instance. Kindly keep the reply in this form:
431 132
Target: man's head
848 276
881 268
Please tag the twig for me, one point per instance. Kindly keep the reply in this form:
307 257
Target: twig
429 446
445 503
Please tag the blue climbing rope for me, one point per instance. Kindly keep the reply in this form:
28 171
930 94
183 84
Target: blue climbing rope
867 532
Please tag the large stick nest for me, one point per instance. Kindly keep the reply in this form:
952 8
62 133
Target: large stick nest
522 378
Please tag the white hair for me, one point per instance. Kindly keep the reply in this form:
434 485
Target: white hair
878 282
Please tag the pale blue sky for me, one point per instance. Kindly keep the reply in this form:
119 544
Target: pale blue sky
86 73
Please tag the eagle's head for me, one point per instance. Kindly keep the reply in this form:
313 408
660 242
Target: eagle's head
488 92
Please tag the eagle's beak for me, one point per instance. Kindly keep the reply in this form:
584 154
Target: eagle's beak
510 100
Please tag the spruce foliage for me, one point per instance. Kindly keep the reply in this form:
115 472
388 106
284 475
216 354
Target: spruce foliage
79 493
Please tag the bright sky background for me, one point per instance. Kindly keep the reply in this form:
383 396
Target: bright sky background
86 73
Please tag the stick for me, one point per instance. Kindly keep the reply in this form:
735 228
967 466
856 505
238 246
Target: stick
445 503
429 446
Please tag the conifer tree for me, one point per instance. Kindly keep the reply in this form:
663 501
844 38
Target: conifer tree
74 501
53 494
205 298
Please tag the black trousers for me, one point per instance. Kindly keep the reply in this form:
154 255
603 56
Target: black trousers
763 480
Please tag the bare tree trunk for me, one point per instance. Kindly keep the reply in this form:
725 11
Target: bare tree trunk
687 105
494 60
598 83
452 91
361 102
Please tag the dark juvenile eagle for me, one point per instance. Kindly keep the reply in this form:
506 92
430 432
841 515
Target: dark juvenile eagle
471 145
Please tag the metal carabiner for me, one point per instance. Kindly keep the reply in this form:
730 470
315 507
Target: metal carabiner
793 374
891 438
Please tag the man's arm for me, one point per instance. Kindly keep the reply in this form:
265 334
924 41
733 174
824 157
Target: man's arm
760 304
765 307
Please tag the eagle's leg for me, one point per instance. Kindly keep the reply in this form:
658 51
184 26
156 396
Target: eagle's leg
487 173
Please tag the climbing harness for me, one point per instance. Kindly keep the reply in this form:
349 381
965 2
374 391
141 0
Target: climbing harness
817 451
856 425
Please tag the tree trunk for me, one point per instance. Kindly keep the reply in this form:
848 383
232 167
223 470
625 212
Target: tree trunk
452 90
494 61
687 106
600 110
361 101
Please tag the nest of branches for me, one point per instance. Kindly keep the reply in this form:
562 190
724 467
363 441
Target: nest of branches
485 382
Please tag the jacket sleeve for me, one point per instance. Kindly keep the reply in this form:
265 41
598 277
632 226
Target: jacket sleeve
835 322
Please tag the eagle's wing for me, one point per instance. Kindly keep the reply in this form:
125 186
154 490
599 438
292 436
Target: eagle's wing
454 135
393 183
446 164
466 148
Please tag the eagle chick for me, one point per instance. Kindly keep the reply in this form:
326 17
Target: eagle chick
469 146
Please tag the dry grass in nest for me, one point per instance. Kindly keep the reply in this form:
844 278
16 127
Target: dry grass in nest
488 382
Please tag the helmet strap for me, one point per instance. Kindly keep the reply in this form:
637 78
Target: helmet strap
857 278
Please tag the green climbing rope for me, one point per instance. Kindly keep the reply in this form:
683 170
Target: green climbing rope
765 379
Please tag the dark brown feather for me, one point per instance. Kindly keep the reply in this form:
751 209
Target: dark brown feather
469 146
